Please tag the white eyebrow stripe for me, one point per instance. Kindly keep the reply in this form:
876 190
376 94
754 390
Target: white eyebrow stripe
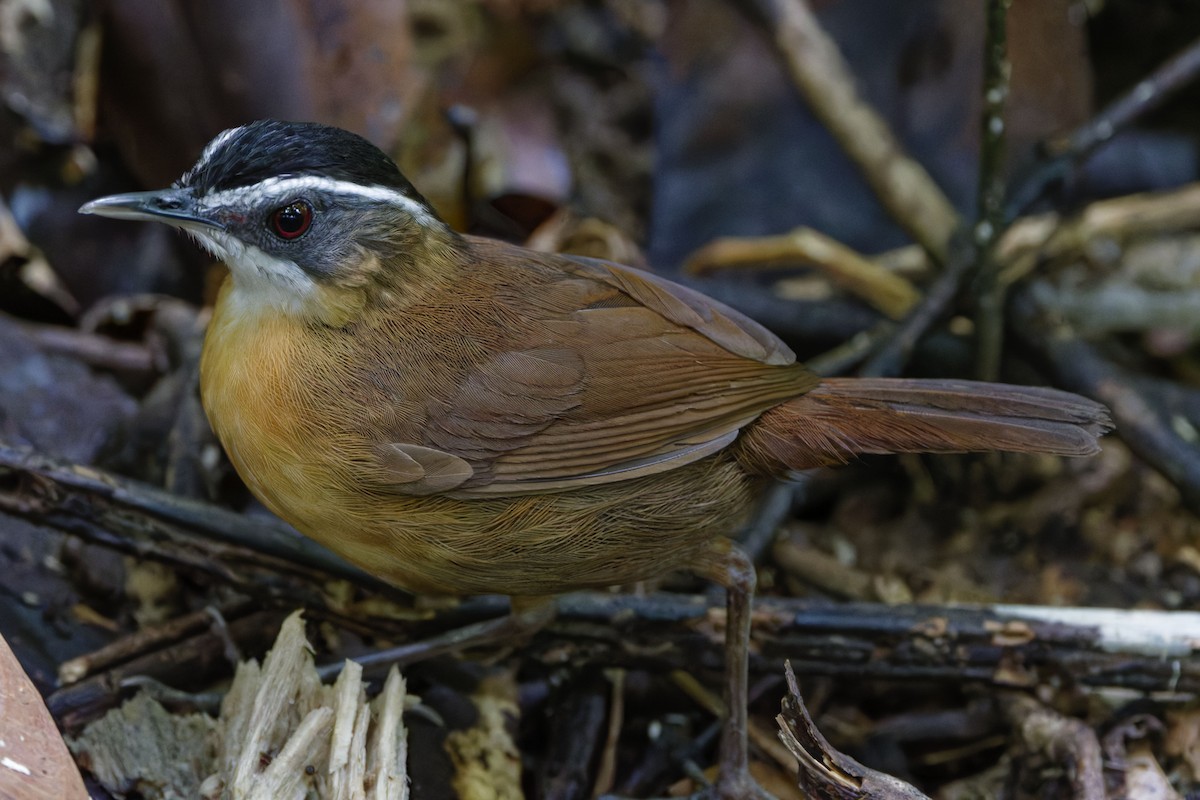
207 154
286 188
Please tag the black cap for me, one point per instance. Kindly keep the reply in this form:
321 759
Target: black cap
272 148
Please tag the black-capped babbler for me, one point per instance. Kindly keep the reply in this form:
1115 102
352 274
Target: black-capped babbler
461 415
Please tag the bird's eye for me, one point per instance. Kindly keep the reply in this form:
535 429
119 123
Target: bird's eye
292 220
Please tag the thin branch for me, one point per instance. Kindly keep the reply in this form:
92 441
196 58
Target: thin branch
186 663
140 518
1121 307
760 735
1068 152
1141 407
841 360
91 348
1003 645
142 641
822 75
890 358
989 222
774 507
885 290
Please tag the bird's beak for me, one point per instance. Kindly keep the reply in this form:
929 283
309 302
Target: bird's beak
176 207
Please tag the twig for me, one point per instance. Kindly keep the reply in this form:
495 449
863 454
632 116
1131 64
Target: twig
133 516
1121 307
773 508
996 71
990 221
822 75
1068 152
1066 741
606 769
142 641
1026 244
823 571
890 358
760 735
187 663
885 290
1032 241
811 325
842 359
91 348
1049 237
997 645
1141 406
577 733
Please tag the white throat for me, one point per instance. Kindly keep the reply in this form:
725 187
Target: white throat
260 280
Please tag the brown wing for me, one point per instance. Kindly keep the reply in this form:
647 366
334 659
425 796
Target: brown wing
597 373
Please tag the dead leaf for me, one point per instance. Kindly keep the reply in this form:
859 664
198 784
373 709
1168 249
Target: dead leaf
34 762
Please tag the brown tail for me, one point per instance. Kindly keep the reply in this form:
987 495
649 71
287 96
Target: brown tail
846 417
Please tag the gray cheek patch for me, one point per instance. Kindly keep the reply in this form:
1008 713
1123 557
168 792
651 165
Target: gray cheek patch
322 252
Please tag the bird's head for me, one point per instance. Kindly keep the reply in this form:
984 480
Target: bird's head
310 219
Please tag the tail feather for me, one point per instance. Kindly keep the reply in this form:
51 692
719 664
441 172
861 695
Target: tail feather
843 418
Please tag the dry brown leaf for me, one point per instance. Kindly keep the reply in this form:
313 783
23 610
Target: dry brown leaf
34 762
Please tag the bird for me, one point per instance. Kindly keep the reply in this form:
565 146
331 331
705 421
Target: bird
459 415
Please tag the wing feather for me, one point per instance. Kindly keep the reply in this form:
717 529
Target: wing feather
601 373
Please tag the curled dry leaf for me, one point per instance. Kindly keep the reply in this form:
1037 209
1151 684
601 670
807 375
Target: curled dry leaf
34 762
825 773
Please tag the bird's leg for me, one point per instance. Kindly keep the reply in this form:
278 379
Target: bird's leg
527 617
728 565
